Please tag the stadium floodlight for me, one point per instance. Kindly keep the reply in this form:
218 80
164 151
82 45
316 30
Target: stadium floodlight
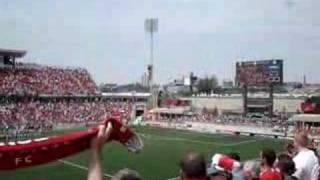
151 27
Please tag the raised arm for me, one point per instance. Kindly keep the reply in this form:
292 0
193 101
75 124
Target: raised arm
95 167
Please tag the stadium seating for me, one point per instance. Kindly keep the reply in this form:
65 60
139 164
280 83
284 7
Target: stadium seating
45 80
36 114
31 81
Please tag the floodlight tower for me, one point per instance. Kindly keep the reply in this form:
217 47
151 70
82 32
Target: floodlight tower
151 27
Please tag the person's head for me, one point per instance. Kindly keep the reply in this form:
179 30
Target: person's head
193 167
301 140
268 157
126 174
251 170
290 148
286 164
283 157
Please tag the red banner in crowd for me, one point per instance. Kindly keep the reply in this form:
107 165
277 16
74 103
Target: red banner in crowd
28 153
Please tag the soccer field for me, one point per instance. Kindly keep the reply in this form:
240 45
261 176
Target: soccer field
159 159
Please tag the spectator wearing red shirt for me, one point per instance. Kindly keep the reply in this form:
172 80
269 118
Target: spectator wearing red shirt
268 172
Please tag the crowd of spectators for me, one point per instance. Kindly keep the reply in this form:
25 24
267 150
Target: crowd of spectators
36 97
35 114
46 80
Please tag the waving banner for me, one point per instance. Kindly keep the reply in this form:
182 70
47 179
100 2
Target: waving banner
34 152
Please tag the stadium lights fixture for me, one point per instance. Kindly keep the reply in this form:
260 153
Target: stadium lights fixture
151 27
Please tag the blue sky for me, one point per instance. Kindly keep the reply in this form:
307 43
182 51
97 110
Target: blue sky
204 36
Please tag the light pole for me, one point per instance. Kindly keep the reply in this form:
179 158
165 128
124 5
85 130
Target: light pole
151 27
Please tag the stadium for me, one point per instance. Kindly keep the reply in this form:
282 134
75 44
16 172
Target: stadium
57 121
34 105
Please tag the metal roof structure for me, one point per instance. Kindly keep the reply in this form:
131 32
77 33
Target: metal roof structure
12 53
313 118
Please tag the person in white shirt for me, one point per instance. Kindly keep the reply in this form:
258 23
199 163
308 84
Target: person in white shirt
305 160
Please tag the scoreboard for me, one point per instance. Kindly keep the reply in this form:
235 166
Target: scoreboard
259 73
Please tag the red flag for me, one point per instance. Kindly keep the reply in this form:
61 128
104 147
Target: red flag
28 153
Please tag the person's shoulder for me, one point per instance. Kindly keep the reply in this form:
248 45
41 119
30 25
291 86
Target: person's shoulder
298 158
311 155
309 151
304 155
270 175
277 175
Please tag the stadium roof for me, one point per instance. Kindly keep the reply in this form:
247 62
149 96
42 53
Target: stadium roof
315 118
12 52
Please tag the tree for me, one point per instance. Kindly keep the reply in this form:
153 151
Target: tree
193 80
215 111
207 84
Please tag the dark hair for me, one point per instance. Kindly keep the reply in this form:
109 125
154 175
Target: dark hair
234 155
193 165
286 164
283 157
287 167
289 147
269 156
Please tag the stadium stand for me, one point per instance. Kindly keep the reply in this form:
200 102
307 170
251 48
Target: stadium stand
45 80
36 97
61 111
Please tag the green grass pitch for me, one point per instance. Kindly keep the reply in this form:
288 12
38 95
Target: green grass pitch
159 159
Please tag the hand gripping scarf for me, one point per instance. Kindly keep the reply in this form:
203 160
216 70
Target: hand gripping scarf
34 152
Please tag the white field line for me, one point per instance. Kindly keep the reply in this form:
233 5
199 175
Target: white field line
206 134
176 178
239 143
81 167
166 138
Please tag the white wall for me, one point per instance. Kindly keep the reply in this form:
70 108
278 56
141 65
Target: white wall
227 103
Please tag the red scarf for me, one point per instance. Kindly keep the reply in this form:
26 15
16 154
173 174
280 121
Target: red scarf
20 154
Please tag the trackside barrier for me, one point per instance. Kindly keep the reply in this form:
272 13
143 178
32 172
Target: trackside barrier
263 135
223 131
